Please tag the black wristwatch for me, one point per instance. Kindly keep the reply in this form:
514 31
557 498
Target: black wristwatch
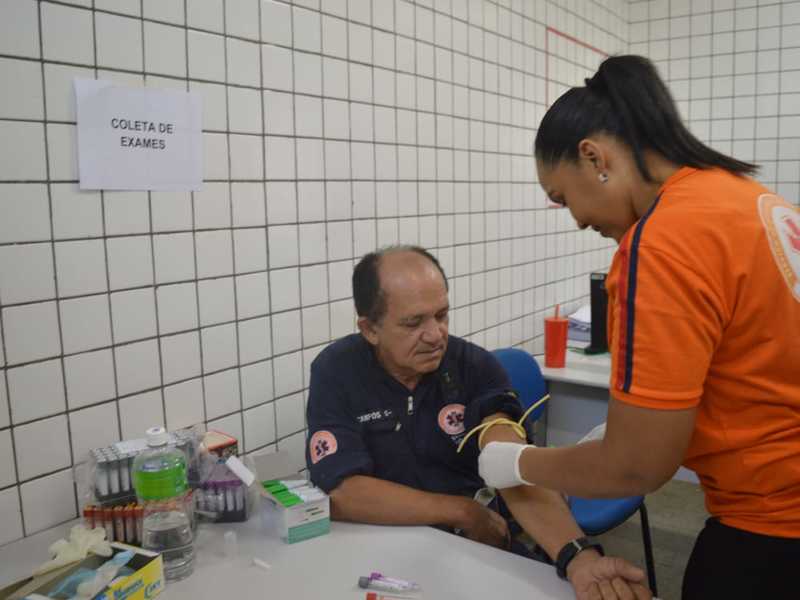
571 550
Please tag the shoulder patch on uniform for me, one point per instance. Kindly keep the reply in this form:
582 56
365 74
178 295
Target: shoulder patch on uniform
782 223
323 443
451 419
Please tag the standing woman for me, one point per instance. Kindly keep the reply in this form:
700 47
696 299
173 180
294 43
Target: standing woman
704 328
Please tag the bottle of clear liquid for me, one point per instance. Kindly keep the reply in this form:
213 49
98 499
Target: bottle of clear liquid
159 477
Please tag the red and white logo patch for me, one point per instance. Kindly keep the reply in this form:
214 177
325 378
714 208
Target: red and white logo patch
323 443
782 222
451 419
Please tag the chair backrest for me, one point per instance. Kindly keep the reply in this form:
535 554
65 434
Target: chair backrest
526 377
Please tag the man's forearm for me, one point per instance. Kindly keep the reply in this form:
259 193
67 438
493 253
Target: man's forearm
364 499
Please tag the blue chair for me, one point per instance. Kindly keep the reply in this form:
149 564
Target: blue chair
594 516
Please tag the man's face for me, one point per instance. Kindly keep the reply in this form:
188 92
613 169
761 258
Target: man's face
411 338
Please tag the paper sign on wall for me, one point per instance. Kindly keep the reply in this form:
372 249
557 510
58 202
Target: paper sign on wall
138 139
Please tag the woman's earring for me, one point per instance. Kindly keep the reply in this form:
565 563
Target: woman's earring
603 177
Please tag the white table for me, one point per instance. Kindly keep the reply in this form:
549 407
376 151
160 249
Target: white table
579 400
445 565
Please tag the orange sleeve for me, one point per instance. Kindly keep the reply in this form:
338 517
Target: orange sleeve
665 326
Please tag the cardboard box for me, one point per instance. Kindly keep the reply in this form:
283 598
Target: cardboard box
295 519
145 583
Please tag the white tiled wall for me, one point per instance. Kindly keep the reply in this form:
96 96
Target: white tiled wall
330 128
734 68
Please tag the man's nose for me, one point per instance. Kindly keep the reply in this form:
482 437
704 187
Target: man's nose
433 332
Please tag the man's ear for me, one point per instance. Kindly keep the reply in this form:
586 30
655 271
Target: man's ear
367 329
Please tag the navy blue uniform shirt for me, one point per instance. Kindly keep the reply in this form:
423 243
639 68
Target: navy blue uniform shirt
362 421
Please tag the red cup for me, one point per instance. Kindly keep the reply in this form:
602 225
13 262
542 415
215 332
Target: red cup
555 342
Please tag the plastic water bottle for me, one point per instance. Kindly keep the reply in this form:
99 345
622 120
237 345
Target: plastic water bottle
159 477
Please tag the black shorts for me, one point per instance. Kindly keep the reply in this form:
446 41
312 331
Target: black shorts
732 564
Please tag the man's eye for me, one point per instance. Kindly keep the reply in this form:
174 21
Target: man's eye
412 324
441 316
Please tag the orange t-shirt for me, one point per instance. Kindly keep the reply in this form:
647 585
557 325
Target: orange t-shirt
704 310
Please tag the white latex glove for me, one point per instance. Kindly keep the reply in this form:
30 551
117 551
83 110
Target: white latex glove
498 464
81 542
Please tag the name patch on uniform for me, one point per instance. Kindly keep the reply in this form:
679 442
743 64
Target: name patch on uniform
782 223
323 443
377 415
451 419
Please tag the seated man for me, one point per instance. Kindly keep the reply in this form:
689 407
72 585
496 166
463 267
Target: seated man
388 408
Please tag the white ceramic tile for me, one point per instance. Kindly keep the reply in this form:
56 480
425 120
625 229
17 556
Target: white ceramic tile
134 315
334 36
360 83
31 332
259 426
206 56
170 11
177 307
255 340
364 234
279 113
126 212
24 213
256 383
248 204
250 249
137 366
279 156
4 412
290 414
307 73
10 516
288 371
360 38
184 404
311 248
307 32
89 377
26 271
216 301
165 49
22 153
362 161
287 331
8 472
337 160
243 63
336 78
119 41
284 286
139 413
342 318
24 99
310 201
219 347
232 425
308 114
212 206
241 18
130 262
48 501
62 140
180 356
36 391
383 14
171 211
337 119
276 23
337 198
205 14
85 323
76 213
314 281
215 156
244 107
316 325
276 67
215 111
339 276
174 257
283 251
359 10
67 34
281 202
127 7
361 122
222 393
245 157
19 28
93 427
252 294
340 240
214 253
42 446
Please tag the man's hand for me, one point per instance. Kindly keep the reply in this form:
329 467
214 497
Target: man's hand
595 577
484 525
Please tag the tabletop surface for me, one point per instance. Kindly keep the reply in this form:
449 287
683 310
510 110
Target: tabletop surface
446 566
581 369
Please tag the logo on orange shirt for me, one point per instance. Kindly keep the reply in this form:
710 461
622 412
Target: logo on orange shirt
782 223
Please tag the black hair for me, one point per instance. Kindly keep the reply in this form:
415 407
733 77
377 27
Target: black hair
628 100
367 293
